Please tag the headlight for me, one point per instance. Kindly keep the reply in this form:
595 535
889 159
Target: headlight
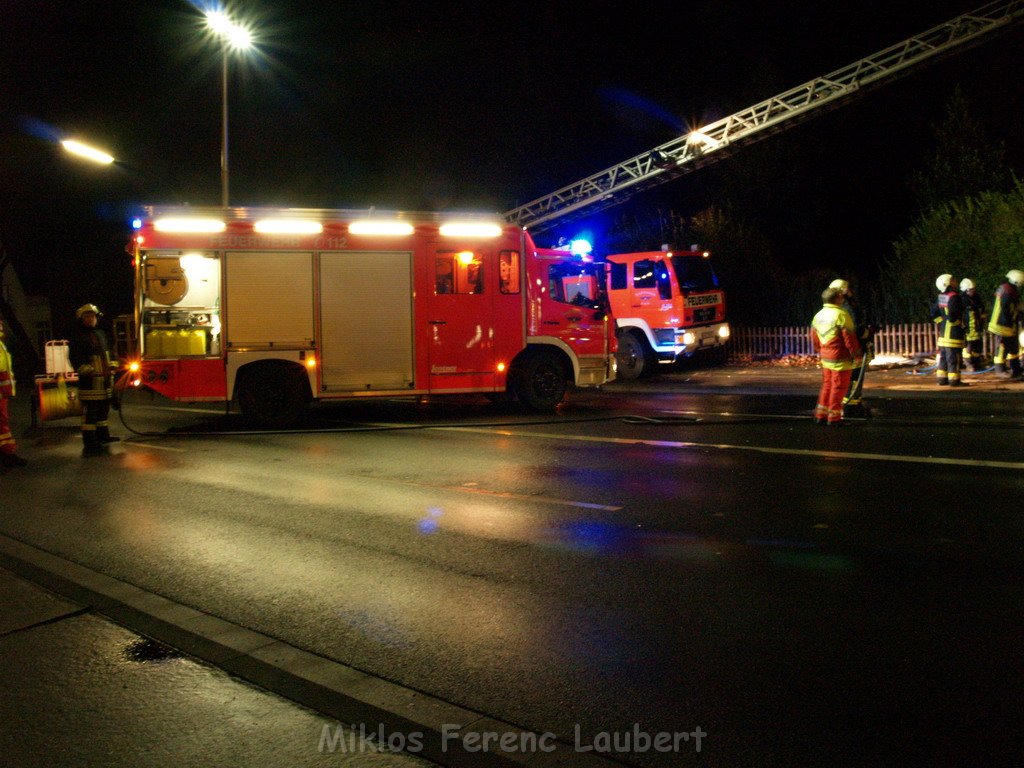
724 332
688 338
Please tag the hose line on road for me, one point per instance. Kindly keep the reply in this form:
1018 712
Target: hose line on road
676 420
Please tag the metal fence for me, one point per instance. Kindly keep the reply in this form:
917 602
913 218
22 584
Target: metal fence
905 340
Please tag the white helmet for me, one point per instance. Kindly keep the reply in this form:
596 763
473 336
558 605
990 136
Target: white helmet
87 308
942 282
1016 277
966 284
840 285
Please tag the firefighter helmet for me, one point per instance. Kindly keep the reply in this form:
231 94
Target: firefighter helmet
966 284
942 282
1016 277
840 285
87 308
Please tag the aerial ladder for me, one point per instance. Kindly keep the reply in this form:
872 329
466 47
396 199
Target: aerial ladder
719 139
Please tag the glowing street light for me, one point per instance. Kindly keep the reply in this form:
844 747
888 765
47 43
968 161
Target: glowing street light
89 153
232 37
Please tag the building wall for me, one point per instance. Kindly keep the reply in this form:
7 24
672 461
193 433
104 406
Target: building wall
33 312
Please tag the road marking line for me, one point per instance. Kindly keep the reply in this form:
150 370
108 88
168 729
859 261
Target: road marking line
734 414
757 448
517 496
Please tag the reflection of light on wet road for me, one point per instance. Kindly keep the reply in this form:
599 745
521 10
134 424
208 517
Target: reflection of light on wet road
608 539
430 523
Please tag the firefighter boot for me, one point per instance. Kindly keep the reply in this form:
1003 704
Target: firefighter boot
91 445
856 410
12 460
1015 368
104 437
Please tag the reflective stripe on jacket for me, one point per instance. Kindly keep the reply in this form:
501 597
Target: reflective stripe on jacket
974 317
7 383
89 352
948 314
1006 312
835 338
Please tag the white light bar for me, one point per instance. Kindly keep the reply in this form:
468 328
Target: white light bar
469 229
288 227
189 224
380 228
83 150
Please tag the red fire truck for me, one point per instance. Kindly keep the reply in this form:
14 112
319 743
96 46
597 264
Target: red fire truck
277 308
667 305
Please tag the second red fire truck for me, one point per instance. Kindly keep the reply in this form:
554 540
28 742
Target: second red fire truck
667 306
277 308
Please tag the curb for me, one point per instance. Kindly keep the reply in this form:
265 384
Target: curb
339 691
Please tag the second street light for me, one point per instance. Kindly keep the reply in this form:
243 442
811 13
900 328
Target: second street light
235 37
89 153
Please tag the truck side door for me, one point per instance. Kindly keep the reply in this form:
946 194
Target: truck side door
458 313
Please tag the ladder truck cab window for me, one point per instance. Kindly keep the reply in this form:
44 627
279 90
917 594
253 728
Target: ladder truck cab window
459 272
180 309
577 283
694 272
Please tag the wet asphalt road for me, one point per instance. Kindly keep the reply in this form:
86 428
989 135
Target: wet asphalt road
661 557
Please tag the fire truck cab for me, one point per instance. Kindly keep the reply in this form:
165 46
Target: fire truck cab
667 305
277 308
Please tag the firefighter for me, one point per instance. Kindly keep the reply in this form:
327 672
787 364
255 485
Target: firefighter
8 447
835 339
1005 324
974 323
853 404
948 314
89 351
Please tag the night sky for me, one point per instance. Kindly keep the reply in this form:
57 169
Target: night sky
463 106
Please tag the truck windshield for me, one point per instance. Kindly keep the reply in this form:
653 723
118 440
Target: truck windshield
579 283
694 273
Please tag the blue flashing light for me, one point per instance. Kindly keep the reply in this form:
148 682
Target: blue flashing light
136 223
580 247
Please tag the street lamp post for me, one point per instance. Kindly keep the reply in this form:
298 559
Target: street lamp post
224 125
237 37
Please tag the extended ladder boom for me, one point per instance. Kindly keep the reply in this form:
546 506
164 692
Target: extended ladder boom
700 147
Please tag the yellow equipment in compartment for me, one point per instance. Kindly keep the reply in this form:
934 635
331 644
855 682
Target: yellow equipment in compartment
183 342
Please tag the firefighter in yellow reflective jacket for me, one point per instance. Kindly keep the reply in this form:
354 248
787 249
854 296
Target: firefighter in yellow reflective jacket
948 314
853 403
1005 324
974 325
8 448
89 351
835 340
